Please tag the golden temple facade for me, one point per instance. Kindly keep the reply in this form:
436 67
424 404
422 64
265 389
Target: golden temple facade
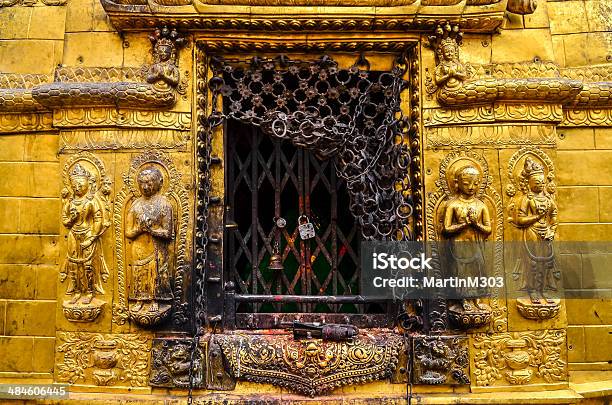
186 183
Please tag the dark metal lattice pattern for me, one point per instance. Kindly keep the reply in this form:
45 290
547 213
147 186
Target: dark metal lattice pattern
269 178
352 114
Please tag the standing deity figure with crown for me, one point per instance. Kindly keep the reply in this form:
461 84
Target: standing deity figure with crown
534 212
164 72
85 214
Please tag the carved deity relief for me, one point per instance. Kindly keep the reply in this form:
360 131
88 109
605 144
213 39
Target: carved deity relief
519 358
164 72
462 215
102 359
533 212
441 360
449 71
150 219
172 362
86 215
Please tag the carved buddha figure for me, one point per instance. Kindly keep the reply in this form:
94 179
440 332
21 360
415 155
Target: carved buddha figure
466 225
83 215
149 224
537 216
449 72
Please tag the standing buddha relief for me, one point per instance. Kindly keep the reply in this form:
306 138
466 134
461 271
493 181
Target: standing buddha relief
533 212
86 215
151 229
464 215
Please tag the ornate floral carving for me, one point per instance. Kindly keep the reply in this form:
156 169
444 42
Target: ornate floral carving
311 366
31 3
533 210
496 136
519 358
106 139
25 122
485 20
387 45
171 362
583 117
103 359
120 118
440 360
86 215
445 207
441 116
155 258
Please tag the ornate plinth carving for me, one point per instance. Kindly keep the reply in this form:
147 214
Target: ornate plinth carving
86 215
533 211
519 358
103 359
311 366
172 361
151 216
440 360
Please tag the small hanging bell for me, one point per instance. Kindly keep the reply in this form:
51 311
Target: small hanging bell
276 260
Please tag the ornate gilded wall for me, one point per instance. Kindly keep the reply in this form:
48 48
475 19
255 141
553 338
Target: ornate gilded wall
92 97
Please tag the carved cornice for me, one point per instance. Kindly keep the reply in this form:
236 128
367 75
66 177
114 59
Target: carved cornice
219 46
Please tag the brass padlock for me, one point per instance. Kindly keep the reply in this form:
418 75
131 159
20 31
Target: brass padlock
306 228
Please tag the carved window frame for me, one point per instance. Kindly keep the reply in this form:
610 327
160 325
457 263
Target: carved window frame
212 296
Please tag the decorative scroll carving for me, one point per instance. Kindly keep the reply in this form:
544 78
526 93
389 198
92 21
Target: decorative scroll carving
25 122
582 117
533 210
171 363
496 136
357 122
31 3
86 215
150 250
519 358
386 45
311 366
104 117
129 17
106 139
439 116
455 88
464 186
103 359
440 360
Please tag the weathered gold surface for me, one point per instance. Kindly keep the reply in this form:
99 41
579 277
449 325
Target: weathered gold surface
542 82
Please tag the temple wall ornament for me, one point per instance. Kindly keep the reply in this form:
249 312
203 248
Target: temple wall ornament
465 215
31 3
519 358
116 139
533 211
311 366
494 136
121 118
86 216
151 219
440 360
151 87
102 359
172 364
